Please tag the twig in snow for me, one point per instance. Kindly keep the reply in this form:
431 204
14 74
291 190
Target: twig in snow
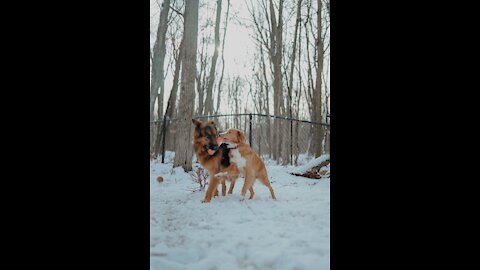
200 176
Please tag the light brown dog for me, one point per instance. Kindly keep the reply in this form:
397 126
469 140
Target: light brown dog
246 161
213 158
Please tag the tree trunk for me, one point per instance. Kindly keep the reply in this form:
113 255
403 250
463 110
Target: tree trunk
172 100
200 77
328 7
236 102
308 90
287 148
223 60
267 106
184 148
211 77
318 137
276 57
300 80
326 119
293 57
156 145
157 79
297 106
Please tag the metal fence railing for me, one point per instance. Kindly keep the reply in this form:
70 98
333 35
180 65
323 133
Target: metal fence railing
280 138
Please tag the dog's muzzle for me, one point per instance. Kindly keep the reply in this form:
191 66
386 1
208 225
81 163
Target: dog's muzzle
213 147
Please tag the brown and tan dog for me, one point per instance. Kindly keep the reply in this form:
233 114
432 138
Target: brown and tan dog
213 158
246 161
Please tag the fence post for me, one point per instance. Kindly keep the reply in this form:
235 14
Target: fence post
250 131
291 142
164 129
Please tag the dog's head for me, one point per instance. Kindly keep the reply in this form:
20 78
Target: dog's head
206 135
233 135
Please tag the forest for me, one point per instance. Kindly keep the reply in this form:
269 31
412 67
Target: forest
264 64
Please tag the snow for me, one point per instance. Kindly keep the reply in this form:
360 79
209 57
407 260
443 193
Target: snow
292 232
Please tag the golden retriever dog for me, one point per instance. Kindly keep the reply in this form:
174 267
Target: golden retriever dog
246 161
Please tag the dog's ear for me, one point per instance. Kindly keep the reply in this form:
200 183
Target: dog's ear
196 122
241 136
211 122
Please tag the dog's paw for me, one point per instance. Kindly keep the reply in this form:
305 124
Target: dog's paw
205 201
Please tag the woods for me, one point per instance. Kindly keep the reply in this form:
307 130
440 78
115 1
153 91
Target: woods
267 57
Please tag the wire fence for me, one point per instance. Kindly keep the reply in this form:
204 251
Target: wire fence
280 138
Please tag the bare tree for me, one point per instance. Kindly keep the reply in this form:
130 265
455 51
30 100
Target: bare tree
172 100
328 7
310 84
272 40
298 95
327 89
292 66
183 149
235 92
171 107
200 75
288 79
158 59
177 54
219 91
267 103
317 105
288 149
276 51
211 77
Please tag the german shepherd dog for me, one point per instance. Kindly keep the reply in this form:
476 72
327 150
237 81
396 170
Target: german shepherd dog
213 158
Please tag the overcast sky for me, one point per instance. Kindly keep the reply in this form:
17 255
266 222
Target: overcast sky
239 45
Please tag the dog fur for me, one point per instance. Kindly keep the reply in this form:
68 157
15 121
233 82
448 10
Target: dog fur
246 161
204 137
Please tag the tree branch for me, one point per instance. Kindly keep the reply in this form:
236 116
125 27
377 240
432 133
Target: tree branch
176 11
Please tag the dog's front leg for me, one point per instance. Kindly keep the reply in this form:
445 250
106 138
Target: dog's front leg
224 187
211 187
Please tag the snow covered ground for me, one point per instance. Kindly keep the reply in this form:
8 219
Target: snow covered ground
290 233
